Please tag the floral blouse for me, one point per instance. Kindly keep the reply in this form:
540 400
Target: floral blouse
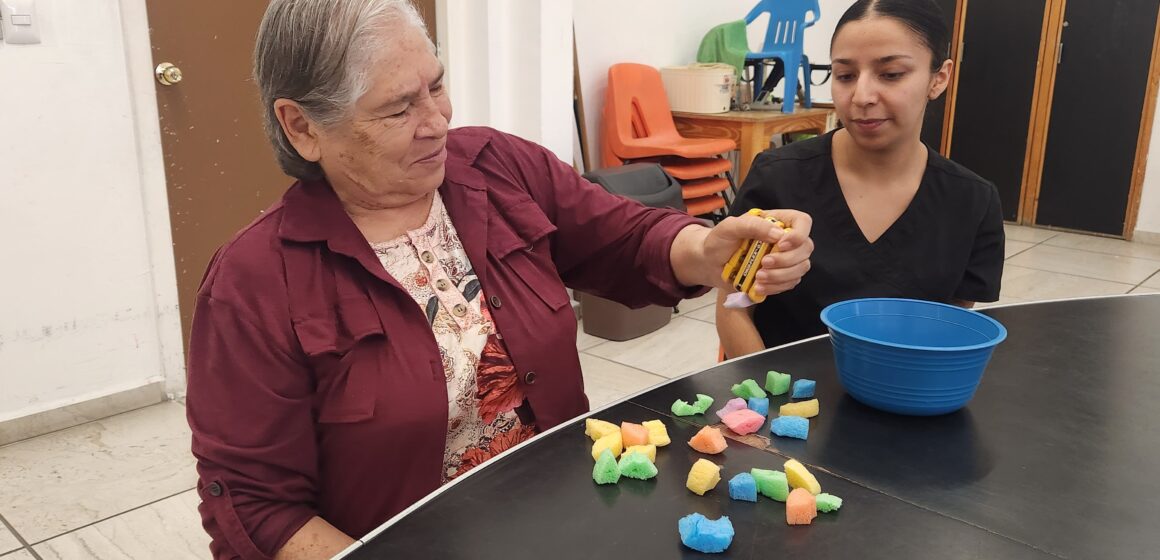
482 387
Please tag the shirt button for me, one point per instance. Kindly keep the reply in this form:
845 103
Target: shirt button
214 489
530 377
428 257
459 310
495 302
442 285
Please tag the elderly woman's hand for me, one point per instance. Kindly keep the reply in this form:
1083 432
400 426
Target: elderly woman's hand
700 254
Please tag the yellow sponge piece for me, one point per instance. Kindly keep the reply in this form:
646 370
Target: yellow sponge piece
597 429
805 409
658 434
703 476
649 451
610 442
799 477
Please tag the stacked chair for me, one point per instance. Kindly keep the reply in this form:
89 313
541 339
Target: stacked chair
638 127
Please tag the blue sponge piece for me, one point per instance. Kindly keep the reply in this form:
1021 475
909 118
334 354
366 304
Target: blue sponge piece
760 406
790 426
705 535
803 388
743 487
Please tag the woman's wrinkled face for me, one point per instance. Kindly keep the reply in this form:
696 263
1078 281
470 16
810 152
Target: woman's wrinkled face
392 150
883 81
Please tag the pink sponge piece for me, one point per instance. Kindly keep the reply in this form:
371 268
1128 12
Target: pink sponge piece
744 421
732 405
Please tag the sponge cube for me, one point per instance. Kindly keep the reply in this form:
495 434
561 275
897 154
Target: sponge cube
743 487
800 507
597 429
744 421
731 405
790 426
638 466
828 502
633 434
759 405
658 434
803 388
703 403
611 442
771 484
703 477
647 450
777 383
606 470
748 388
709 441
799 477
682 408
705 535
805 409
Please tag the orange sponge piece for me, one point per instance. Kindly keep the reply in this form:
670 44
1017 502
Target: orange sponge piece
801 507
633 434
709 440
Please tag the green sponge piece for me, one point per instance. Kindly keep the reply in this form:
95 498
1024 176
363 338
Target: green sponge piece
748 389
771 484
777 383
606 471
828 502
682 408
703 403
637 465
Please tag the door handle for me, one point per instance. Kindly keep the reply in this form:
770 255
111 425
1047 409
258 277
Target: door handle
167 73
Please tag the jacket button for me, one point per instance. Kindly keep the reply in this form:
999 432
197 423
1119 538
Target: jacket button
530 377
495 302
214 489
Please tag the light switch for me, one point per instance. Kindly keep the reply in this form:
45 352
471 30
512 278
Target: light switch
18 18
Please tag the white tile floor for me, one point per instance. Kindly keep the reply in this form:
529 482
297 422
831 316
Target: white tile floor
121 488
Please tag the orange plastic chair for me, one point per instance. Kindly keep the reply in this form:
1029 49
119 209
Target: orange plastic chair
639 124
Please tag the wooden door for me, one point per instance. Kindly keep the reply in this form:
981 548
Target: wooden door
1098 102
993 105
219 167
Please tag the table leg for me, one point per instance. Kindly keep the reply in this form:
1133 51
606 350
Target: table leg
754 140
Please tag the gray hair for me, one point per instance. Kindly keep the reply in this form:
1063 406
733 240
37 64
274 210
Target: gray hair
317 53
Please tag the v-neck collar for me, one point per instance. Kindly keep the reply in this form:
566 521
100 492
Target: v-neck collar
901 227
881 258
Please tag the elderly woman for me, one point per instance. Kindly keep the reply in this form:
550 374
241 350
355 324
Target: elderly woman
400 316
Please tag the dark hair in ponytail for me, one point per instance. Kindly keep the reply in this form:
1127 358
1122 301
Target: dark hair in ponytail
923 17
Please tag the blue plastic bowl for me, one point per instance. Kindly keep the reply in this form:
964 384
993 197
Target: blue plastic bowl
908 356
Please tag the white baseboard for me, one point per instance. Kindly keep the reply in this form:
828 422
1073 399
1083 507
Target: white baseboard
47 421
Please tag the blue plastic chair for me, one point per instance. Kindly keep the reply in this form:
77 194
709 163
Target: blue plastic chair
784 40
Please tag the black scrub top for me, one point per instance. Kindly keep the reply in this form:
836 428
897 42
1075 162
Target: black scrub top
948 244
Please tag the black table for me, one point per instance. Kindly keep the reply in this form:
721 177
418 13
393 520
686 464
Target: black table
1057 456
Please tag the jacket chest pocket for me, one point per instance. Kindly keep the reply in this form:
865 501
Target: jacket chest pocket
346 348
519 242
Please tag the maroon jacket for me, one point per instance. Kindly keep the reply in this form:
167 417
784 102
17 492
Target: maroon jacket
315 384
